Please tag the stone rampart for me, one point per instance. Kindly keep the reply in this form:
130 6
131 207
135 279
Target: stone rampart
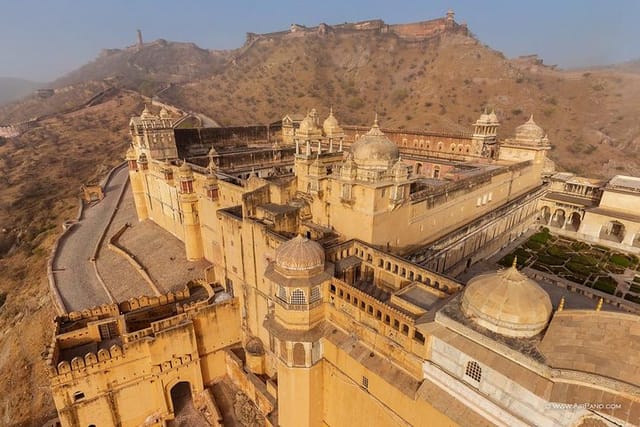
414 31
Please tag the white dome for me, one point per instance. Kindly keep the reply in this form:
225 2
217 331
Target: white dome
507 302
374 150
529 132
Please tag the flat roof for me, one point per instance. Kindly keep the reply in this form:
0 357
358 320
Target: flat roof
622 181
572 199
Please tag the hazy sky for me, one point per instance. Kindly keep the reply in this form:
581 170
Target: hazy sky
41 40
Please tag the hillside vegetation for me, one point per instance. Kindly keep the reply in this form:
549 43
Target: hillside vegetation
44 169
439 84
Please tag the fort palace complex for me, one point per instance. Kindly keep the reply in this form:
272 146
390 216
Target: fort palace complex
329 300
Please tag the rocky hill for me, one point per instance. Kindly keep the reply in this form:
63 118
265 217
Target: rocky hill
150 67
437 83
434 77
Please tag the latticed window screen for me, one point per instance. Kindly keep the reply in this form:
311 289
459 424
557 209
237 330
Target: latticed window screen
473 371
315 294
297 297
282 293
365 382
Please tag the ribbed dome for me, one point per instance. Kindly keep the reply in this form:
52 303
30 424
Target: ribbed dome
529 132
300 255
507 302
374 149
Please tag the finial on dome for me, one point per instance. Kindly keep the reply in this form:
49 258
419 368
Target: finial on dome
375 120
331 110
515 262
530 119
561 304
599 306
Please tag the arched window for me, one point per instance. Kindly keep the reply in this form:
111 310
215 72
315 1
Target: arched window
298 354
297 297
473 371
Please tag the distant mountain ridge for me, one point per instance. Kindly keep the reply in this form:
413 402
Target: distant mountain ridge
418 79
149 67
12 88
429 75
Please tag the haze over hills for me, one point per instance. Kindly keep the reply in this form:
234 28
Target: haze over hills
12 88
441 82
437 83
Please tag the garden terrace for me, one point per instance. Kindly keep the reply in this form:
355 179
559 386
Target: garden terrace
588 265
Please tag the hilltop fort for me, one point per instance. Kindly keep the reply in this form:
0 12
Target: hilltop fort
415 31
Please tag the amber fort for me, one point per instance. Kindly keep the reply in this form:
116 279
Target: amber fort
325 277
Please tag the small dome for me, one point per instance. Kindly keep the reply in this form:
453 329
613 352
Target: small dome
254 346
400 170
300 255
146 114
309 125
529 132
493 119
507 302
374 149
164 114
306 125
185 170
331 125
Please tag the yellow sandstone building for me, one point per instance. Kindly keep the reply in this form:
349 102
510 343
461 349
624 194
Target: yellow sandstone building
329 299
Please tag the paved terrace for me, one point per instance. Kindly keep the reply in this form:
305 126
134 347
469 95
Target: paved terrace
160 252
114 277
